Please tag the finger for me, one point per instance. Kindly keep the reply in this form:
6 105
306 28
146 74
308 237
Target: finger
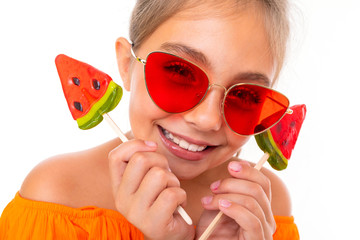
243 170
252 226
155 181
121 155
246 188
212 202
247 202
139 165
166 205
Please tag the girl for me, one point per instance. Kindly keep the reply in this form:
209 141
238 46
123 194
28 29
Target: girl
208 66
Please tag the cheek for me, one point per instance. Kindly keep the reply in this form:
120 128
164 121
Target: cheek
236 141
142 110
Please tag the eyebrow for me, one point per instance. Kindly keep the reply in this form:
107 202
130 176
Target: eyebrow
198 56
188 51
254 77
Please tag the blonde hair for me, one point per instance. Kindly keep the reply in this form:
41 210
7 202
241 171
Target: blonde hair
149 14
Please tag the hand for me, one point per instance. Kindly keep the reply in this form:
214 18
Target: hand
245 201
146 193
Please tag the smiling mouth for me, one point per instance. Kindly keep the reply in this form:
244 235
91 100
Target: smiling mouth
183 143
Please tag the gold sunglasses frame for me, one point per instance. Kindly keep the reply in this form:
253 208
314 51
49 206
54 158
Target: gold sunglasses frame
227 90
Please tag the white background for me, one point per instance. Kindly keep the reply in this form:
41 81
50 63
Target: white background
322 72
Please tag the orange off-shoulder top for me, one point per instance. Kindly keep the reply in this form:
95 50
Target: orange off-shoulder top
28 219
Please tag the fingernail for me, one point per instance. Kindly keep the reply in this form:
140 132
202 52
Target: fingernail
215 185
224 203
150 143
235 166
206 200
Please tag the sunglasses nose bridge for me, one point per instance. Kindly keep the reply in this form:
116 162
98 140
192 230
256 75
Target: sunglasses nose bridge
223 100
216 85
220 86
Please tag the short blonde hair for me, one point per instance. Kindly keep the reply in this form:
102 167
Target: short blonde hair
149 14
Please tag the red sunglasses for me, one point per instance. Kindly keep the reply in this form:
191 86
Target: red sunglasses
177 85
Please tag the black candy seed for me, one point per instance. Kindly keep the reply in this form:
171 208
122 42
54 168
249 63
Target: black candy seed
78 106
96 84
76 81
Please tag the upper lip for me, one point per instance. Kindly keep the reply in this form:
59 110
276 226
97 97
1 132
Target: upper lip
190 140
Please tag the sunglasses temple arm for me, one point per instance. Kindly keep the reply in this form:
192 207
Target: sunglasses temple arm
137 58
215 221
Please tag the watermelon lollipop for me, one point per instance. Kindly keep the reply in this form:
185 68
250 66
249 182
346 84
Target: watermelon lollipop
279 141
89 92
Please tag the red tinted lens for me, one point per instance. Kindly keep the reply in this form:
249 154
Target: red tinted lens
173 83
250 109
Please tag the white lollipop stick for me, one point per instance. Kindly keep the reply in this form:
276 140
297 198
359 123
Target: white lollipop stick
123 138
216 220
262 160
116 129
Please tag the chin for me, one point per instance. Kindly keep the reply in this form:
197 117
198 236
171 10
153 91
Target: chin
188 173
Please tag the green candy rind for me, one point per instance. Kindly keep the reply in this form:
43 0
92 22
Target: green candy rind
105 104
267 144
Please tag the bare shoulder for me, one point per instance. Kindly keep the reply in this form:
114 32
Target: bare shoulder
49 179
74 179
281 201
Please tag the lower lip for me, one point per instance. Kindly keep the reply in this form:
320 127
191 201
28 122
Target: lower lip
183 153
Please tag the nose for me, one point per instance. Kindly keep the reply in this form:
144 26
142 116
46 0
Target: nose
207 115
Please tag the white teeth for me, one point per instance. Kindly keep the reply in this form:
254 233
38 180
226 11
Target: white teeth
176 140
193 147
183 144
196 148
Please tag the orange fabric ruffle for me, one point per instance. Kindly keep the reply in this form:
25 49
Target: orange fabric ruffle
285 229
28 219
